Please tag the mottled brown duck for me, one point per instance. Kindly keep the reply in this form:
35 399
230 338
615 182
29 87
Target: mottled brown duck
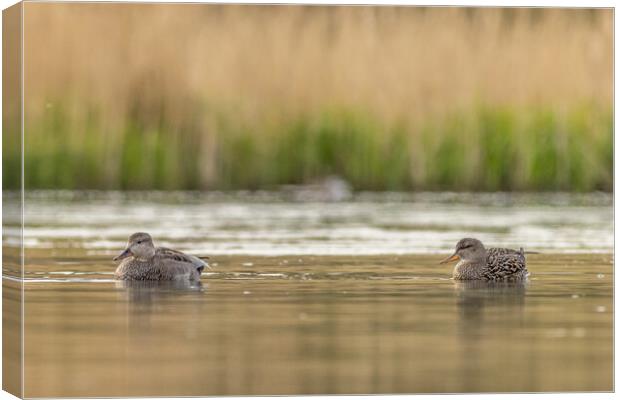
493 264
142 261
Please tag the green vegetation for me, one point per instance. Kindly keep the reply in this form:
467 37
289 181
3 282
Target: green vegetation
249 97
486 149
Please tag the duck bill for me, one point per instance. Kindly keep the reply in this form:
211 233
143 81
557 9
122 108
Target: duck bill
126 253
453 257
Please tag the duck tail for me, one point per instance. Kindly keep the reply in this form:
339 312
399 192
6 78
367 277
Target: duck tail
205 265
199 263
523 252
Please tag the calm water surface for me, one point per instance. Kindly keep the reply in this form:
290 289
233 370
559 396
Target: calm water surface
311 298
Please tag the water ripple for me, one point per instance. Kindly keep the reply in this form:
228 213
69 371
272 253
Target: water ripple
369 224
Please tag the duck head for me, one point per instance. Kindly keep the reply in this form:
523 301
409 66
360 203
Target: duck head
467 249
139 245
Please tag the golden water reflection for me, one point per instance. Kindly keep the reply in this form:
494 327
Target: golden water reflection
323 325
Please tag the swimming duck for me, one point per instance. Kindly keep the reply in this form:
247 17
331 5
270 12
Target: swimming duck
142 261
492 264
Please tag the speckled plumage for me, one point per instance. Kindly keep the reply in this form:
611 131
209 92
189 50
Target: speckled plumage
493 264
142 261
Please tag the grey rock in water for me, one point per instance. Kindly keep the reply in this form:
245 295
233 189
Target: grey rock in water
330 189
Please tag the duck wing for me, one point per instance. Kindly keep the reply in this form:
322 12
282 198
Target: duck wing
505 265
497 251
170 254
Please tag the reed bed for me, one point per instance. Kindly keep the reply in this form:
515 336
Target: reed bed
122 96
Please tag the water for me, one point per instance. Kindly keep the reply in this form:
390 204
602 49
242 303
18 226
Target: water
270 224
314 298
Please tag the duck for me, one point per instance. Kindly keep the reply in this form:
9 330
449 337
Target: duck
493 264
142 261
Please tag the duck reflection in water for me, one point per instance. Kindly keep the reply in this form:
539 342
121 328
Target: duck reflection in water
488 310
148 292
490 315
157 316
473 297
143 298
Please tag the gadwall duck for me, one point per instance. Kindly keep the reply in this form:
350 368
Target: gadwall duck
493 264
142 261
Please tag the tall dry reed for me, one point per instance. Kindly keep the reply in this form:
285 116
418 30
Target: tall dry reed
228 96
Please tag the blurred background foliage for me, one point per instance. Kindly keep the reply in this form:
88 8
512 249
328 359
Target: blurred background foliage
194 96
